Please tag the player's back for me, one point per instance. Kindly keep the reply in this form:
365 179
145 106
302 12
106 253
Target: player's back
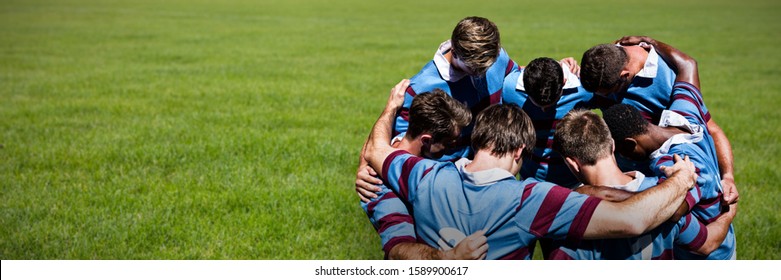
446 212
514 214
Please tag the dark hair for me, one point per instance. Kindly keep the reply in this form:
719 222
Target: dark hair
624 122
601 67
502 128
582 135
543 80
438 114
476 42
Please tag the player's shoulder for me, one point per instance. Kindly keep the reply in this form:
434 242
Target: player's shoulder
686 148
428 79
533 185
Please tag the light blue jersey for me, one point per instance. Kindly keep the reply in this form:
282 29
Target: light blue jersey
649 92
688 112
450 204
658 244
477 92
389 215
651 88
547 164
391 218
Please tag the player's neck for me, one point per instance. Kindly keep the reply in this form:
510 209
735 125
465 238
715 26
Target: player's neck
637 56
662 134
411 146
484 160
604 172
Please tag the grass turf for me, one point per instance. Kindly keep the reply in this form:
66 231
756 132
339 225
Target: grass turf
231 129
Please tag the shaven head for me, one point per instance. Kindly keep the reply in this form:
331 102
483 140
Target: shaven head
600 68
475 41
625 121
543 79
502 129
583 136
438 114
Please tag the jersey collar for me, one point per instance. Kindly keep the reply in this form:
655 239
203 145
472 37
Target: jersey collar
673 119
446 71
481 178
634 185
651 65
573 81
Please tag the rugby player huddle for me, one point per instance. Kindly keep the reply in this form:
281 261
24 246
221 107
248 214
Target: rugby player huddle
650 179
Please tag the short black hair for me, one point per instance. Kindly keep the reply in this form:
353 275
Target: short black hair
543 80
601 66
624 121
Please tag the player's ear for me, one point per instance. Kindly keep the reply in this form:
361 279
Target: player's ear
573 164
518 153
425 139
629 144
612 146
625 75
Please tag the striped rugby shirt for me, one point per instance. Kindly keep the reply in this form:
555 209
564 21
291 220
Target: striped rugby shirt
514 214
688 111
477 92
546 164
657 244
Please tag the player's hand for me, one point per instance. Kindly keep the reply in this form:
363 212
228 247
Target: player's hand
473 247
731 195
571 64
733 210
643 41
684 168
396 98
366 182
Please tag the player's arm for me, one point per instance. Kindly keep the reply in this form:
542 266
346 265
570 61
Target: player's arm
717 231
378 145
645 210
605 193
366 180
685 65
473 247
688 72
725 159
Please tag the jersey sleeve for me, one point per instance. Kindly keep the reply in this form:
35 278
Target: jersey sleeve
391 218
687 101
401 124
692 234
694 195
551 211
403 172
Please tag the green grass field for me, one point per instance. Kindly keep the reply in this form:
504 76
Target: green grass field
231 129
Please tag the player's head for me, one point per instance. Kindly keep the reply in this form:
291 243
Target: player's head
502 129
475 43
582 138
437 118
601 69
629 130
543 79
